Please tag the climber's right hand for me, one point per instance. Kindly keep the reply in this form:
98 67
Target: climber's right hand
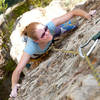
92 12
14 91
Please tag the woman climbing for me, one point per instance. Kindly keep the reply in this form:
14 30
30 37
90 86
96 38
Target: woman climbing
39 38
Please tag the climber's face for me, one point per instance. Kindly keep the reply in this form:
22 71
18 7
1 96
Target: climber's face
43 33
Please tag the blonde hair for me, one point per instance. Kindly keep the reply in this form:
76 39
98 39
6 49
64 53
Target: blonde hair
30 30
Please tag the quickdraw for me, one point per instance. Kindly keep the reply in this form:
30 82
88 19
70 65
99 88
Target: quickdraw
95 38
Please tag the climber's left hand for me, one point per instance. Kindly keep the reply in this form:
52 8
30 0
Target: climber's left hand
14 91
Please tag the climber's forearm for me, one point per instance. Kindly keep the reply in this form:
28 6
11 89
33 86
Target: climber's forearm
62 19
15 77
82 13
77 12
16 74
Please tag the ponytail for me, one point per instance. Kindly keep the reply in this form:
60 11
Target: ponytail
24 32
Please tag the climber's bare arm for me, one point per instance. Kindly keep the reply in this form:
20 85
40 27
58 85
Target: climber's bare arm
16 74
77 12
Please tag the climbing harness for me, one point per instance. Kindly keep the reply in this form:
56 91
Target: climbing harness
38 60
95 38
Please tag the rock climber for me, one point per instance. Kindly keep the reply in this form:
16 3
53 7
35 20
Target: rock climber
39 39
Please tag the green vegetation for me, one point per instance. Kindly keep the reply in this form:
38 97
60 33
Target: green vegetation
12 2
10 66
20 10
3 6
39 3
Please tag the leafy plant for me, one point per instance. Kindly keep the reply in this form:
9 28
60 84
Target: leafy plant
3 6
39 3
12 2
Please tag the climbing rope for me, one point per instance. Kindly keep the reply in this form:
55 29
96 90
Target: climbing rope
95 74
66 51
83 55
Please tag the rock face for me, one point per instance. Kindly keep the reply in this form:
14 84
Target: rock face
64 76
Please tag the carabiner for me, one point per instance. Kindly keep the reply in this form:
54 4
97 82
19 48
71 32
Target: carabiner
95 38
91 49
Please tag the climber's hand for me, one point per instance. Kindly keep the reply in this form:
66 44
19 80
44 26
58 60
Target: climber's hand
92 12
14 91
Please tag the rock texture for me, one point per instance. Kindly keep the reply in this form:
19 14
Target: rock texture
66 76
2 60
